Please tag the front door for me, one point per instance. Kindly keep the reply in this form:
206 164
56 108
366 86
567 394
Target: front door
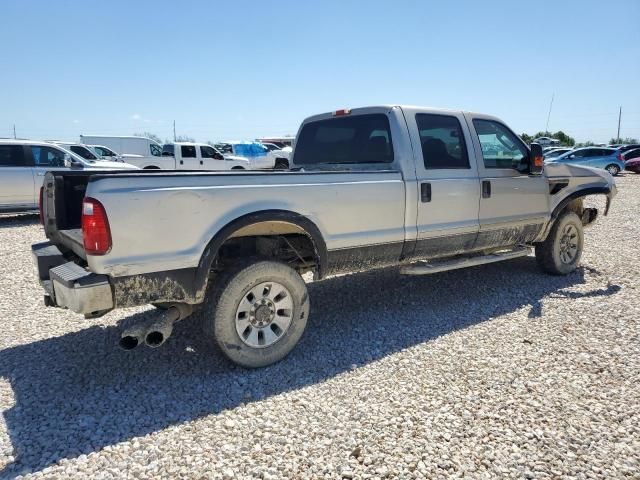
514 205
447 180
16 179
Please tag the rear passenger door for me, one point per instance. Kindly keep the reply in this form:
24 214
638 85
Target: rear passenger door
448 185
16 178
189 158
514 205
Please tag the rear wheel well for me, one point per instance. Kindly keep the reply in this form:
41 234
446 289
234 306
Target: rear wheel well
295 249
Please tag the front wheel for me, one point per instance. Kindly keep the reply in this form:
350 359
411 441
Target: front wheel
560 253
256 312
613 169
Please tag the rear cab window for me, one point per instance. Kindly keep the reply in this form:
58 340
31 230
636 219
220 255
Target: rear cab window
358 139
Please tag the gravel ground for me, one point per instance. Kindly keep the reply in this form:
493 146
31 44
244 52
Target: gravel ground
497 371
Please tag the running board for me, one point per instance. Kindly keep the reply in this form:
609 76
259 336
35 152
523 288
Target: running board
428 268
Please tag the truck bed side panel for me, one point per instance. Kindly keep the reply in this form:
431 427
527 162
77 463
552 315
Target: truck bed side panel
164 222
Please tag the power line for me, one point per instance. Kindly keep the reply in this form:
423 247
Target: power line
546 130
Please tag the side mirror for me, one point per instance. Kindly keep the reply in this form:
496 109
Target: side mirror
536 159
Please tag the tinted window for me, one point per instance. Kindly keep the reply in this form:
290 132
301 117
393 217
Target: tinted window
628 156
167 150
156 151
501 148
358 139
442 141
83 152
603 152
48 156
188 151
210 152
11 156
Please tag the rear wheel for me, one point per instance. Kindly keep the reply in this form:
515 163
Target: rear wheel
613 169
256 312
560 253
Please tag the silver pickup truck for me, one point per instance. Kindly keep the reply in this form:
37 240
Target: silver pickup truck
429 190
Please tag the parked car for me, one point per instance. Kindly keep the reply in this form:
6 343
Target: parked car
259 155
106 153
23 164
546 141
625 148
83 151
556 152
362 196
632 160
201 156
597 157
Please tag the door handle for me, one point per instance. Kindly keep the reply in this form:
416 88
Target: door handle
181 162
425 192
201 162
486 189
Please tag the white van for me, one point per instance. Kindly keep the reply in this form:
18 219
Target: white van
126 144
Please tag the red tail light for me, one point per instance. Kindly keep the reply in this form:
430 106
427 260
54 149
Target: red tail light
96 234
40 206
620 157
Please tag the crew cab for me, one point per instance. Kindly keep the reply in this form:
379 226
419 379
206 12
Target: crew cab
202 156
423 189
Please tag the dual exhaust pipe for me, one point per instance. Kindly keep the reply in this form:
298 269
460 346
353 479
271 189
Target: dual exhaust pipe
154 333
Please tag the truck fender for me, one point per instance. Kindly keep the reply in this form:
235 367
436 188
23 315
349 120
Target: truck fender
573 196
305 226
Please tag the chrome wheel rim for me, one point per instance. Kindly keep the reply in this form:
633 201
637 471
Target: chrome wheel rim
569 244
264 314
612 169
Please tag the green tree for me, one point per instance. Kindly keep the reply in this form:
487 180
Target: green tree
564 138
626 140
526 138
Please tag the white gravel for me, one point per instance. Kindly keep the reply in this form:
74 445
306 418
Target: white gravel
497 371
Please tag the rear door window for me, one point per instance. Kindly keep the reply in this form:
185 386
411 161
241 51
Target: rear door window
11 156
188 151
345 140
442 141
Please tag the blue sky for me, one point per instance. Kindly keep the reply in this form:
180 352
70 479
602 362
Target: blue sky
241 69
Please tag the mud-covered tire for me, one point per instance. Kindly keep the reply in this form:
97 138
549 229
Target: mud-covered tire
222 319
560 253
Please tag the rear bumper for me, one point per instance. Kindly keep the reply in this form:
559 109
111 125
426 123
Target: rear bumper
68 285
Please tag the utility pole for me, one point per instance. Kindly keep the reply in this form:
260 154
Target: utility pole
14 130
546 130
619 118
174 130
